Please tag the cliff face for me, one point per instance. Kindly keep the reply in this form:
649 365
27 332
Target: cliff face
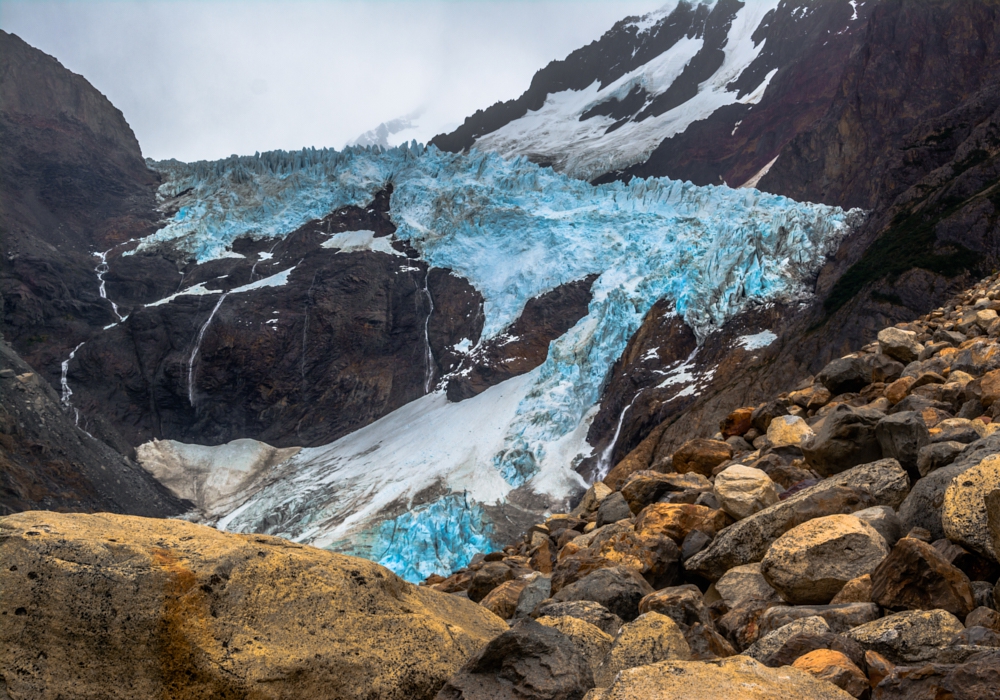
72 182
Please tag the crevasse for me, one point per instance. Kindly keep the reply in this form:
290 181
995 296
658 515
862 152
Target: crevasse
515 231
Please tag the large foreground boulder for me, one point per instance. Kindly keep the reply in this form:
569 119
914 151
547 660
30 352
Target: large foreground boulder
124 607
735 678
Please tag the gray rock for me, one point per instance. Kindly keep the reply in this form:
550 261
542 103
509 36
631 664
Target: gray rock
899 344
982 592
527 656
586 610
744 583
612 509
922 508
770 643
846 439
840 618
879 483
901 436
619 589
538 589
884 520
844 375
909 637
937 455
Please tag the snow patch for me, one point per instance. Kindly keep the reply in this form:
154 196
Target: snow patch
354 241
756 341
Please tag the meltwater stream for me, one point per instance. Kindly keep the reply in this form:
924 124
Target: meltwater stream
197 347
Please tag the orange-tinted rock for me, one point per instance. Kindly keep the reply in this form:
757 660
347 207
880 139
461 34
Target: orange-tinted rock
899 389
543 556
701 456
676 520
834 667
639 458
857 590
502 600
878 667
737 422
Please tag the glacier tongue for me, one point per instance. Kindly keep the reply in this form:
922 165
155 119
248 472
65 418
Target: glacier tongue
410 489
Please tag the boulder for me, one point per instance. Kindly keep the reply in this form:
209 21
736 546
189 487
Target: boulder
650 638
960 430
491 575
763 415
884 520
963 511
857 590
735 678
922 507
989 387
612 509
811 562
937 455
983 617
652 554
785 431
804 642
592 499
737 423
839 618
537 588
677 520
502 600
848 374
744 583
619 589
915 576
834 667
991 501
590 641
899 344
976 679
586 610
742 491
901 436
526 662
682 604
879 483
701 456
772 641
647 486
913 636
899 389
115 606
977 359
846 439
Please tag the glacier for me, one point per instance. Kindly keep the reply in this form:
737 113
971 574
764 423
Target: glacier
418 490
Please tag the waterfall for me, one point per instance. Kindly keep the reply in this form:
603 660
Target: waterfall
101 270
197 346
63 383
428 353
604 461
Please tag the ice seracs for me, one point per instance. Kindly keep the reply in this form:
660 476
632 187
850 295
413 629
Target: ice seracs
423 488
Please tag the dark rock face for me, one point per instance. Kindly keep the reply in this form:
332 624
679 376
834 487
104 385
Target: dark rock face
47 463
72 182
524 345
528 662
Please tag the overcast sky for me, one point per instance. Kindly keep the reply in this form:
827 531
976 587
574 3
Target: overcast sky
206 79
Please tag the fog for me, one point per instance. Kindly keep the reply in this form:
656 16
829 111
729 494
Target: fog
203 80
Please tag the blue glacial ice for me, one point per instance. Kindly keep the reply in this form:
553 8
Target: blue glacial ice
514 230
